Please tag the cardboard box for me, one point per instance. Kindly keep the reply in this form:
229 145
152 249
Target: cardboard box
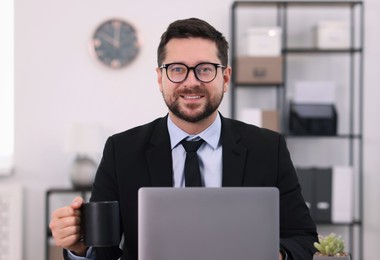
259 70
332 35
264 41
262 118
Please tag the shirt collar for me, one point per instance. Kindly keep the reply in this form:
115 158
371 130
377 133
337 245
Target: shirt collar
210 135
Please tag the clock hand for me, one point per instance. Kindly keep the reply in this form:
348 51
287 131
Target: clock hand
117 34
108 39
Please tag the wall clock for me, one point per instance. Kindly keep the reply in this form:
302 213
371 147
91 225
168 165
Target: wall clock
115 43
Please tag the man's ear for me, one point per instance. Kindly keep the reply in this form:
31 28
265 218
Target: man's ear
159 77
226 78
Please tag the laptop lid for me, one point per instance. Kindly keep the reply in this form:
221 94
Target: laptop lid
208 223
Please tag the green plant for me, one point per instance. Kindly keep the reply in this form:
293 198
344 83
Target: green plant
331 245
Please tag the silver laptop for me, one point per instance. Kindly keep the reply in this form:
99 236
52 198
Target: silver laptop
208 224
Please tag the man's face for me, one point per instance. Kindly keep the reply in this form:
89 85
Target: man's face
192 100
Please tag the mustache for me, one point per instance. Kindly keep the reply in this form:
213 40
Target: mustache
192 91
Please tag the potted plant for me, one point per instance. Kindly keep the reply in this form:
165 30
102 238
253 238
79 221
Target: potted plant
331 246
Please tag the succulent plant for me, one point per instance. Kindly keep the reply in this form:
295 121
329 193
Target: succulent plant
331 245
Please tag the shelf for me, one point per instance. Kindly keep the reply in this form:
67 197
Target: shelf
340 136
354 223
70 190
255 85
300 58
305 50
299 3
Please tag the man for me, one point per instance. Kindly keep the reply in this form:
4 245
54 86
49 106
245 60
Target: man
193 75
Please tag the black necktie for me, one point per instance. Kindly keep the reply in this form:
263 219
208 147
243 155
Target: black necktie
192 172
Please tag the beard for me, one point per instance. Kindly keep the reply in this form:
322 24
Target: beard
179 110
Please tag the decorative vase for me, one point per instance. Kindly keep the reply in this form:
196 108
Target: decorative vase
83 172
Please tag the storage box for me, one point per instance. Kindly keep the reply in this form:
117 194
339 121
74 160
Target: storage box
332 35
262 118
313 119
259 70
264 41
314 92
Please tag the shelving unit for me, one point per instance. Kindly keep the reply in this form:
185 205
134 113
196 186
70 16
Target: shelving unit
301 60
62 197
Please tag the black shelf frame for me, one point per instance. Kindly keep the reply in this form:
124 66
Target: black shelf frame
356 83
320 51
338 136
297 3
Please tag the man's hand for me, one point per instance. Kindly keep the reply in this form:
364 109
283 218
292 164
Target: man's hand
65 227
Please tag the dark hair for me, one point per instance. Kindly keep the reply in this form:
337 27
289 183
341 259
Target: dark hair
193 27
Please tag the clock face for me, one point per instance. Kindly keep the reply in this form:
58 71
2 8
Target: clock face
115 43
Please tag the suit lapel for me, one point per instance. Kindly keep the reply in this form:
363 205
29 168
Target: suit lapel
159 156
234 156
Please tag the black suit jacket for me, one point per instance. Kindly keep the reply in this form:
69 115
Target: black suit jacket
252 156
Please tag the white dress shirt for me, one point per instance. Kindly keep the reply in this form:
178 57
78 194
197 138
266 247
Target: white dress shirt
209 154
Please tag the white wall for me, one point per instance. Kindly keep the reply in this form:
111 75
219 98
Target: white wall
371 132
59 83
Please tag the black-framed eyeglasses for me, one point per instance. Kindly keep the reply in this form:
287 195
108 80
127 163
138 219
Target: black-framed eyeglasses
204 72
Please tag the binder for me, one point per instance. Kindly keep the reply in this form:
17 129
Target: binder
328 193
305 178
323 192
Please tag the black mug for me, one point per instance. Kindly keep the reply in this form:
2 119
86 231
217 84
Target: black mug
101 223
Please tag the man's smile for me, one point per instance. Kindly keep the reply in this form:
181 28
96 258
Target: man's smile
191 97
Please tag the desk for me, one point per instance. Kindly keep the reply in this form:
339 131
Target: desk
67 195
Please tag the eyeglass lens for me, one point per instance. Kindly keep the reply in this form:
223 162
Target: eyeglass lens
204 72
